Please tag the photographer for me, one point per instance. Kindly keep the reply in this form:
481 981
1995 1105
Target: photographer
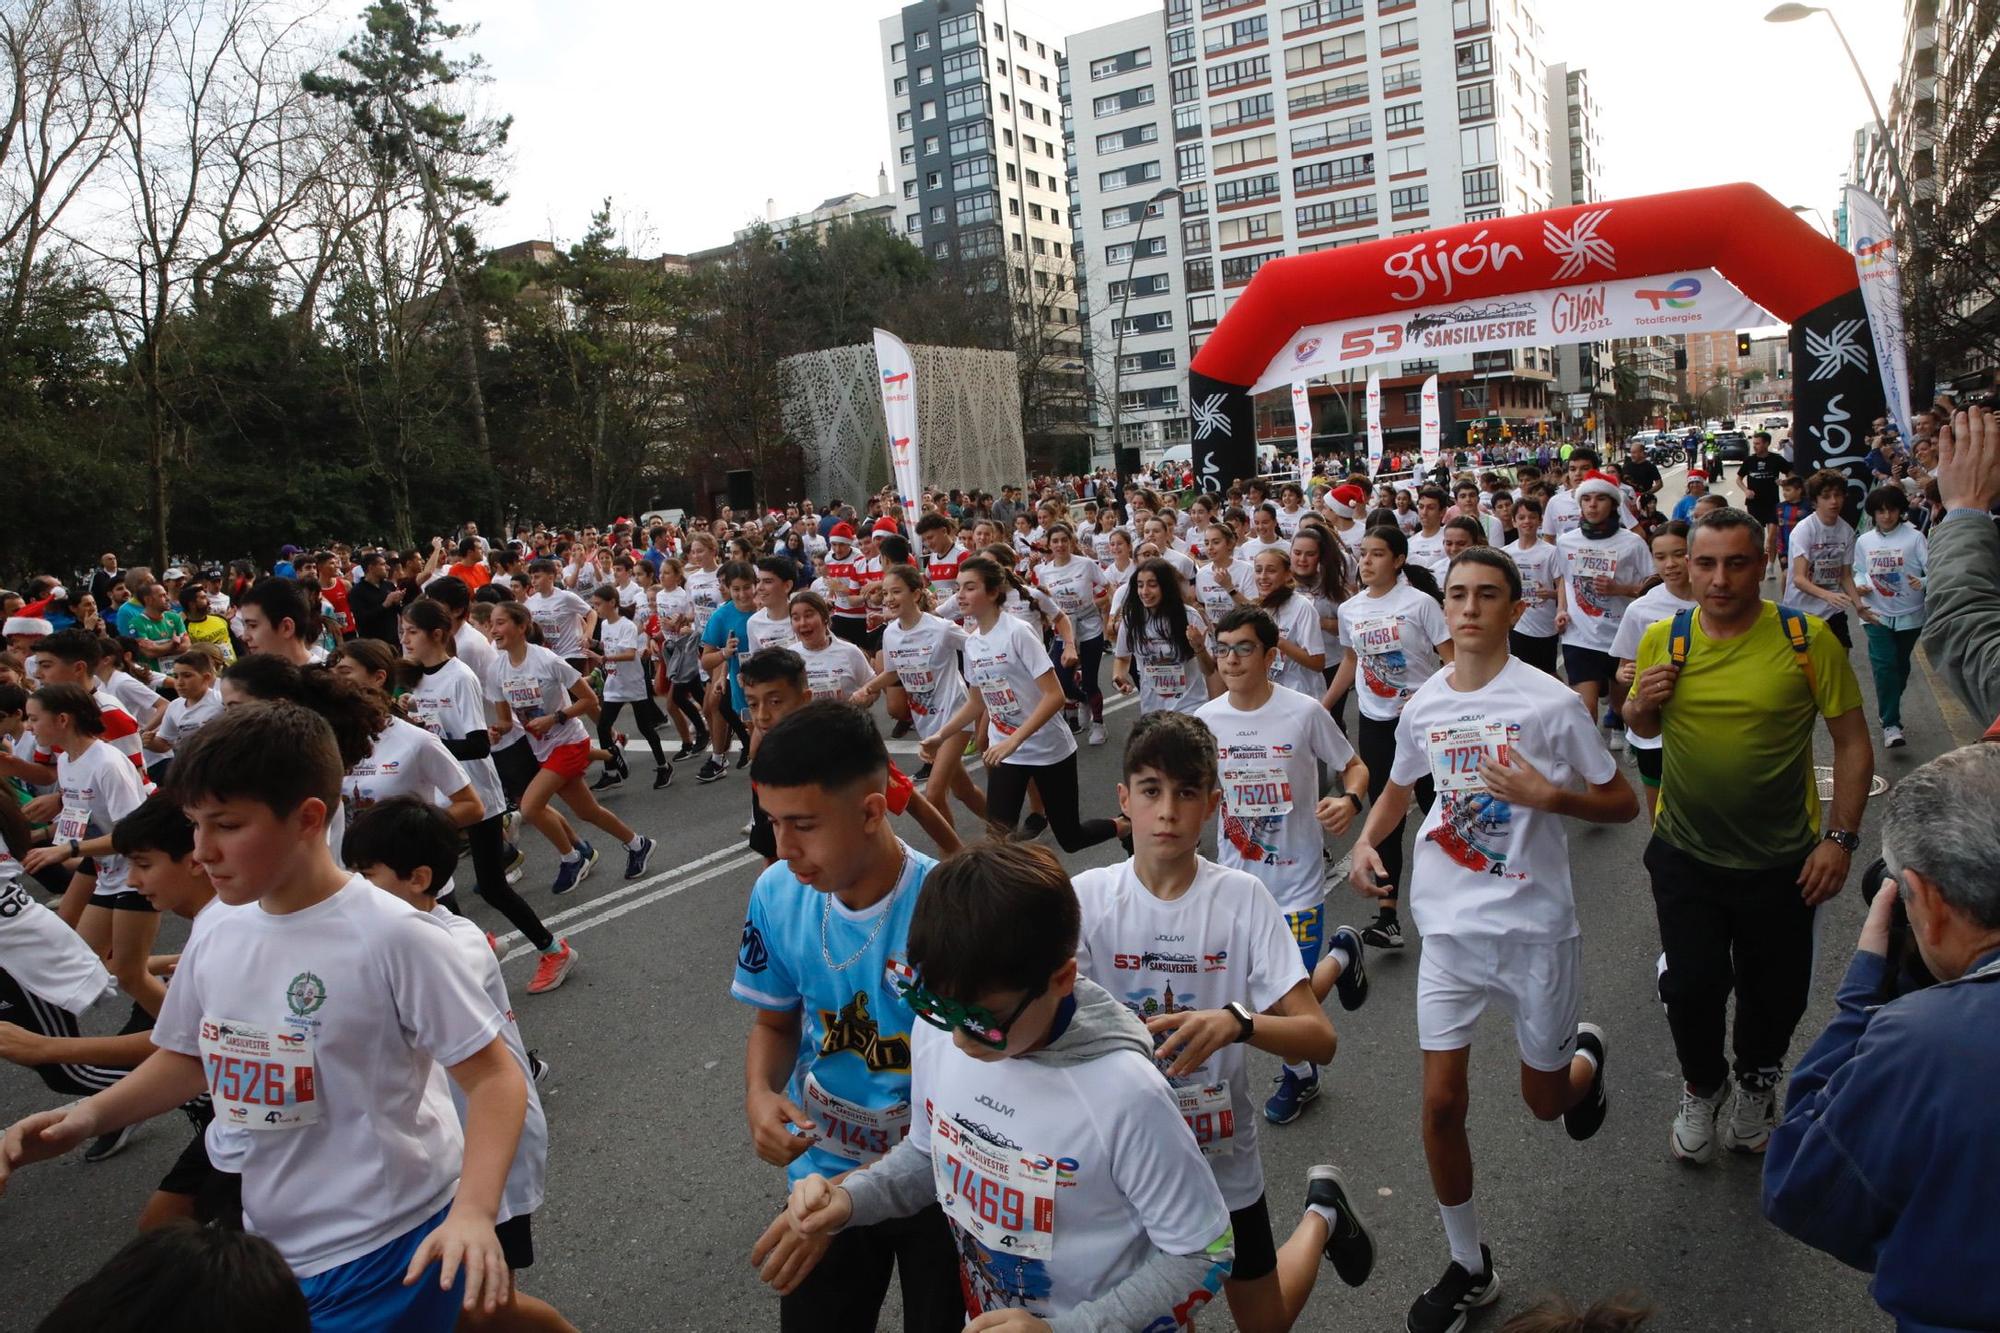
1887 1157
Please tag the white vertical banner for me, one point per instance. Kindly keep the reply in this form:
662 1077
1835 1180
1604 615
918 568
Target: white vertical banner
899 409
1872 241
1430 424
1302 422
1374 423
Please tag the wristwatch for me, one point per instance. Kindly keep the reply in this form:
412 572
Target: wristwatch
1355 797
75 847
1244 1017
1846 841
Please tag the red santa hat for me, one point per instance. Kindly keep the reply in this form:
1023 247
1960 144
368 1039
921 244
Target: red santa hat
1597 483
1345 501
886 526
842 532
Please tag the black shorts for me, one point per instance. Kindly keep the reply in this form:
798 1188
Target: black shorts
763 837
1764 511
850 629
517 767
1587 665
1649 761
517 1240
1256 1249
217 1195
125 900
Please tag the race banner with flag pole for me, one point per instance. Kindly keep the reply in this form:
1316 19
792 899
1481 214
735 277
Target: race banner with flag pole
1872 240
899 410
1430 425
1374 423
1302 422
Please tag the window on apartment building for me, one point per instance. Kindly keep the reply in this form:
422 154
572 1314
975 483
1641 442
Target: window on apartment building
1194 236
1398 36
1479 146
1250 227
1188 164
1035 178
960 66
956 32
1402 117
1319 13
1236 73
920 41
909 189
927 111
896 52
1303 99
1243 111
1332 133
1113 103
1035 212
1334 172
973 138
1006 103
981 207
1186 85
1467 14
1040 50
902 120
1402 77
1199 275
974 173
1134 174
1000 69
1239 269
961 103
1045 117
937 215
926 74
1410 199
1475 57
902 84
1239 32
913 222
1180 45
1014 208
1401 161
1246 189
1194 200
1481 187
1201 311
1326 51
1355 210
1049 149
1240 152
979 243
1475 101
909 154
930 145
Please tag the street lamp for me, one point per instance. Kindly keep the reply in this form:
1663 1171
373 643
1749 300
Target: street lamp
1792 13
1824 225
1118 350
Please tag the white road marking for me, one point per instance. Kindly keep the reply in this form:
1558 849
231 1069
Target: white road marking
598 918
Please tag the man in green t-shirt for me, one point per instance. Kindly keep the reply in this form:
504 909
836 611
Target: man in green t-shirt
161 632
1740 857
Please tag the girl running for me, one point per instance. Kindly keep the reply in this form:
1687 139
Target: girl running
622 650
835 668
1394 638
1301 651
920 651
1080 589
1170 645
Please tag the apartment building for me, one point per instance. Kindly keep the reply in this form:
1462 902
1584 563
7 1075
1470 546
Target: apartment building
975 120
1295 126
1585 372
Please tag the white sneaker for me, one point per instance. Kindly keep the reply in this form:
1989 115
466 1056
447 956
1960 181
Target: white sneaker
1693 1139
1753 1115
1892 737
1614 740
1097 733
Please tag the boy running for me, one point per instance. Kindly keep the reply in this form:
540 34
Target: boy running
1490 894
314 1019
1204 957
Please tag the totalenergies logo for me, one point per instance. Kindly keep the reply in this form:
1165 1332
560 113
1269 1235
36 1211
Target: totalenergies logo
1677 295
896 378
901 445
1868 252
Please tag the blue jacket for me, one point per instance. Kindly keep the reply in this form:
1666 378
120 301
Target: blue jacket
1888 1158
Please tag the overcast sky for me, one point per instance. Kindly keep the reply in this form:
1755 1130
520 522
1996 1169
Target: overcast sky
690 116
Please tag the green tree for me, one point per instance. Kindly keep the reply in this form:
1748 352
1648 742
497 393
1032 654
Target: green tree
396 100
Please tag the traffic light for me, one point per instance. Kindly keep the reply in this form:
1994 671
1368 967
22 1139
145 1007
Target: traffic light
1680 358
1742 344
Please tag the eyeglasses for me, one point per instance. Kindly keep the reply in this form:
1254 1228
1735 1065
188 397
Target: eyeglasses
1249 648
975 1021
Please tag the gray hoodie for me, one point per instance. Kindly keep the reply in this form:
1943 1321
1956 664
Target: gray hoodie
900 1184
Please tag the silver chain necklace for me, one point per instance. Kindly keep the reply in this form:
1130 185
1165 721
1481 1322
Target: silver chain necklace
826 911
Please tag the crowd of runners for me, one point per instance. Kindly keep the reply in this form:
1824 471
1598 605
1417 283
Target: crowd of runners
1022 1091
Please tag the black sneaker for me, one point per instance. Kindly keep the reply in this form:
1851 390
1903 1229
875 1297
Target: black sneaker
1352 987
1384 932
922 775
900 730
618 755
1032 826
712 768
538 1067
610 778
1349 1247
690 750
108 1145
743 756
1584 1119
663 776
1443 1308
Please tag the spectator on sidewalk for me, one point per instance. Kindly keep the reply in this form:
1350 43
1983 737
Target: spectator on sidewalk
1962 634
1887 1157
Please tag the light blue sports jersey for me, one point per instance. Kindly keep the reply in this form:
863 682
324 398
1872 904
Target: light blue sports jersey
853 1070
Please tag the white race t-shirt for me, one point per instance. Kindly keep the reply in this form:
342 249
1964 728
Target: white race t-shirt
925 660
1074 586
1427 550
1222 940
522 1194
1537 564
353 1002
1829 553
1216 600
449 703
560 615
624 682
765 630
1891 570
1169 676
406 761
184 719
1006 665
1482 867
835 671
1593 616
538 684
99 787
704 589
1394 638
47 958
1270 760
1298 620
1088 1168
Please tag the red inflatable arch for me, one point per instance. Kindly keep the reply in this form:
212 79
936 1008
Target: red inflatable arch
1617 259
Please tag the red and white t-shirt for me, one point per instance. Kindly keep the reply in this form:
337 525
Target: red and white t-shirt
942 570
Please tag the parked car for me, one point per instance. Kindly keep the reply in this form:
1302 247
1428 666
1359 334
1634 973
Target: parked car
1732 445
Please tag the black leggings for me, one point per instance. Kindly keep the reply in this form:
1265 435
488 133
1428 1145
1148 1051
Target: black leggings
1080 682
1007 791
489 870
646 716
1376 745
37 1015
687 699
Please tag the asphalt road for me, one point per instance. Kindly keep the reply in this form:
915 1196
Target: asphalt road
654 1196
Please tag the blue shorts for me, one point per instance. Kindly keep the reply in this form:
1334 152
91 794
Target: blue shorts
367 1295
1309 930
